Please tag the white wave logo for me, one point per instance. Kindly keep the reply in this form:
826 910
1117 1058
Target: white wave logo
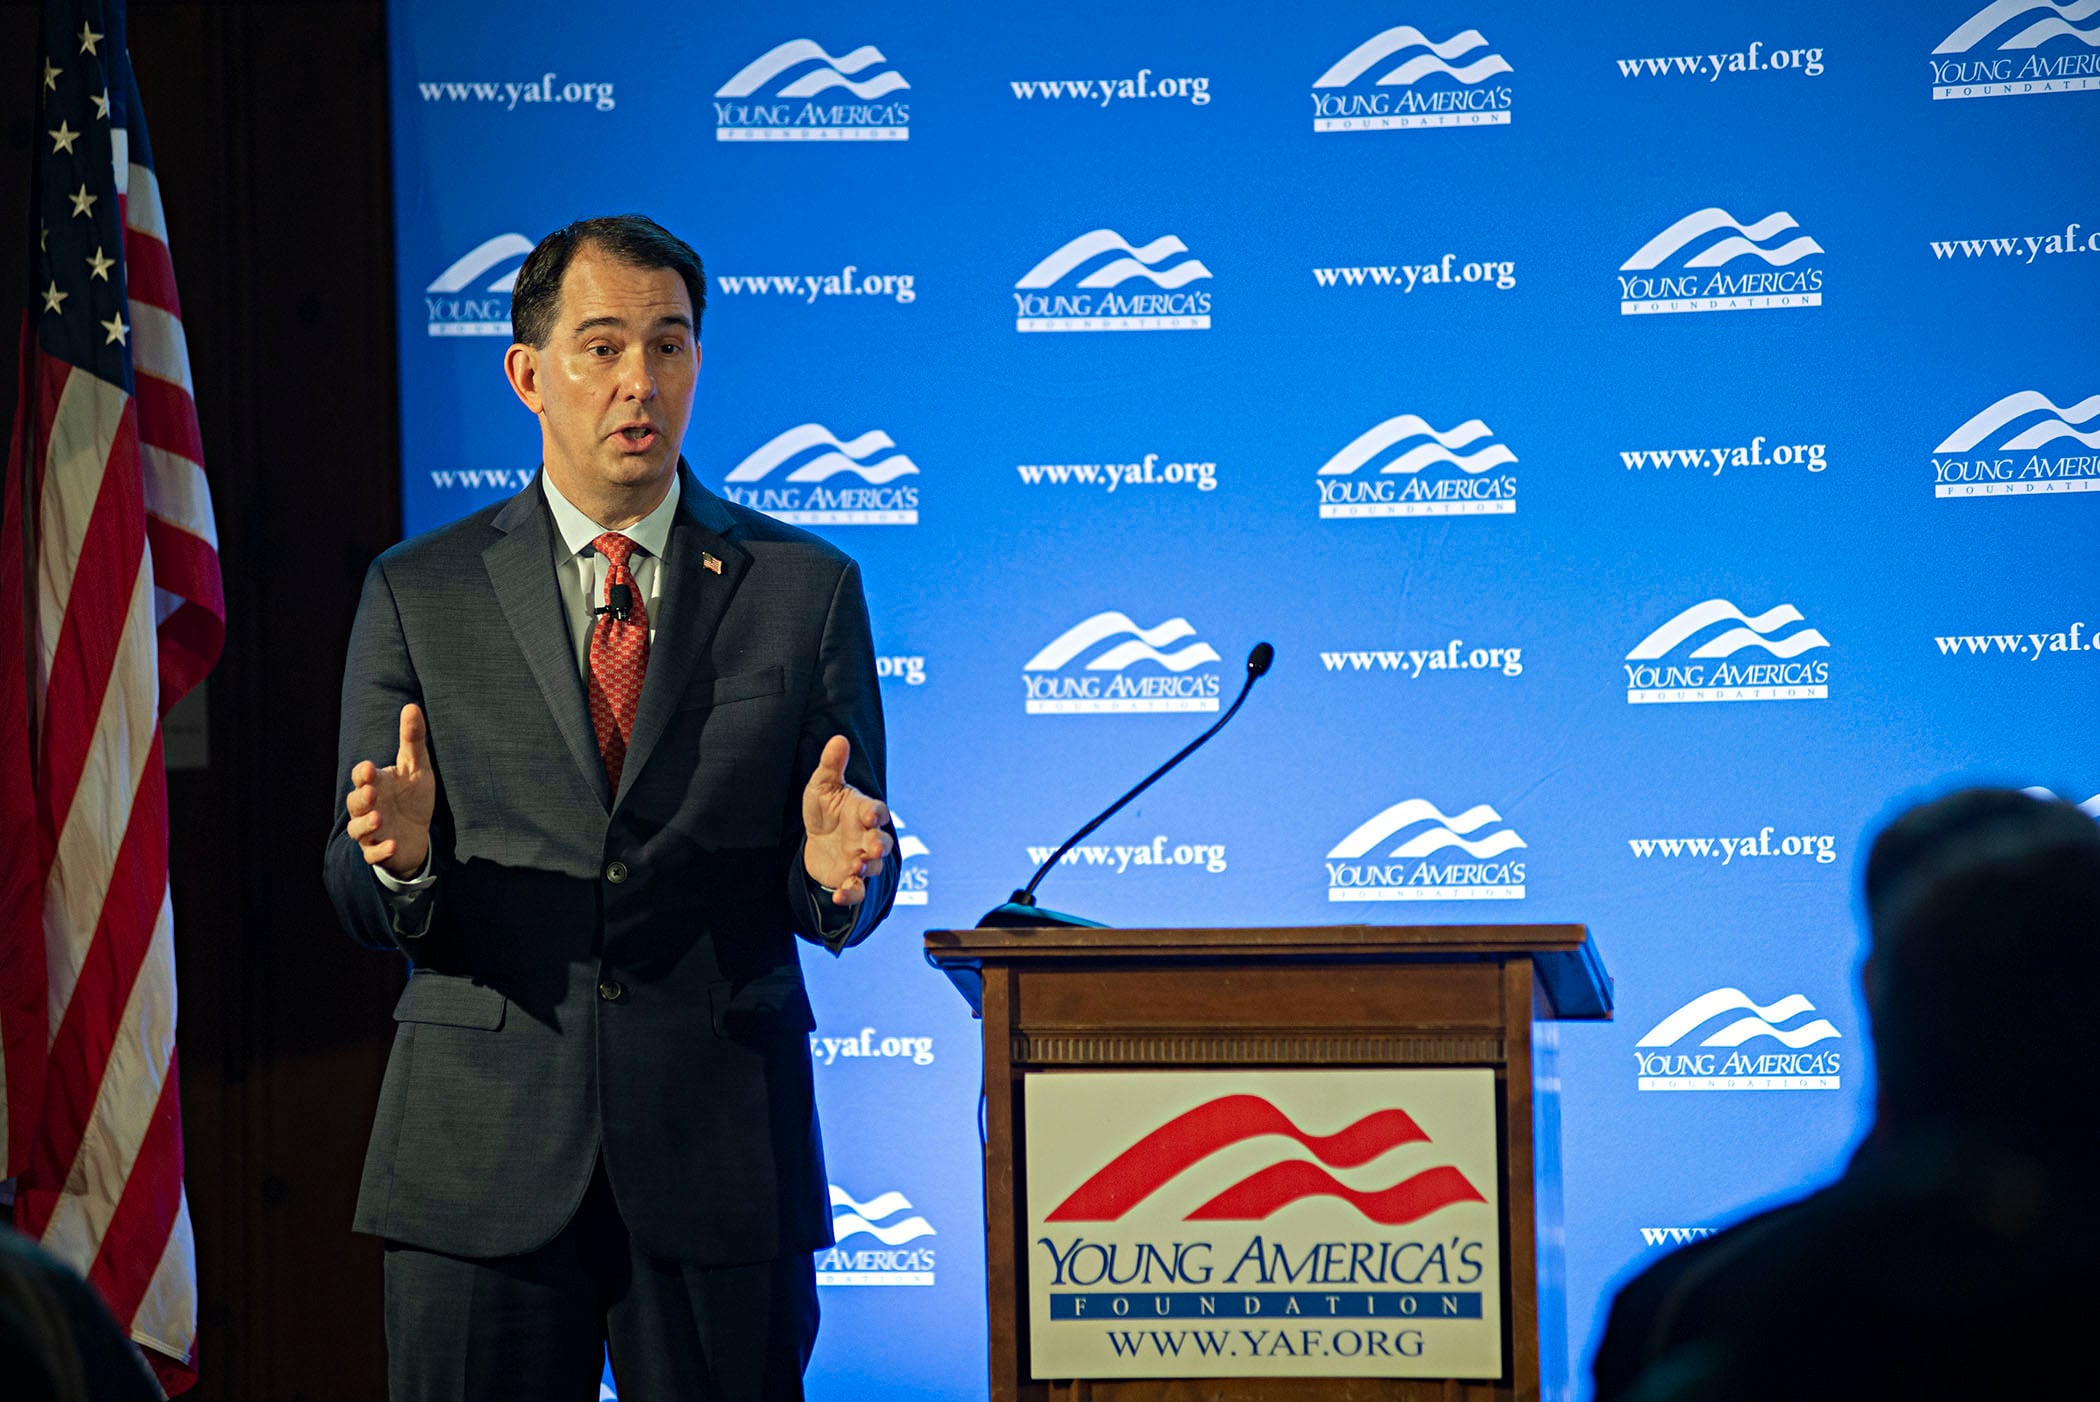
1090 689
1139 262
2058 23
1705 675
829 73
894 1261
1746 242
1980 456
869 1217
1401 38
1393 102
497 250
1143 646
1446 831
842 456
1967 64
1416 868
2058 424
2091 807
1089 304
1399 487
1764 1021
757 105
1755 633
911 880
457 307
1697 282
804 497
1717 1061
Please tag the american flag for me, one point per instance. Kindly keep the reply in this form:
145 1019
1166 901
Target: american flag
110 609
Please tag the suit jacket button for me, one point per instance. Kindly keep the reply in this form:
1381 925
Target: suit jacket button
616 872
612 990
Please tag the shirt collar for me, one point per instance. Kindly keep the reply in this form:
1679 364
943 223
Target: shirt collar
652 532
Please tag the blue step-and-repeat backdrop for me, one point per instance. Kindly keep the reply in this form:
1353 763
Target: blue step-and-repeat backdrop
1656 438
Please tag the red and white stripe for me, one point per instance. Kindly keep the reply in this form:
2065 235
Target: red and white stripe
130 616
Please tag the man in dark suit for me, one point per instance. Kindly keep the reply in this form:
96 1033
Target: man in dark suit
1953 1252
637 750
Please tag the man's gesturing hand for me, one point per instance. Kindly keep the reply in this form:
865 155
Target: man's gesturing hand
845 843
390 808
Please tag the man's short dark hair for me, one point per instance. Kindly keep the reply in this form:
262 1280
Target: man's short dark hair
633 239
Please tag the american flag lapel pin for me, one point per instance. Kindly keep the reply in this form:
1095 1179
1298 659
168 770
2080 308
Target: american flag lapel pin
710 563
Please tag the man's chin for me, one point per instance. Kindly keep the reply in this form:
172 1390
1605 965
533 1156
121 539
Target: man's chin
638 469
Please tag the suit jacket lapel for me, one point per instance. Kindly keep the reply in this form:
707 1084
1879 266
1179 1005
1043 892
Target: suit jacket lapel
690 603
522 566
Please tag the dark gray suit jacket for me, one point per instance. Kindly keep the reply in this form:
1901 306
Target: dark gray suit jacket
604 972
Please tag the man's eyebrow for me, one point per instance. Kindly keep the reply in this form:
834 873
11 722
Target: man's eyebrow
678 319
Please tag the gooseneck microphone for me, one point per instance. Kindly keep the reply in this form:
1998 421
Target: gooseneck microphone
1021 909
619 602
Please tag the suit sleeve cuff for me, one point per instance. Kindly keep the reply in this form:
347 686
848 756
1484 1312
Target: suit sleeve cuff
832 925
421 881
410 903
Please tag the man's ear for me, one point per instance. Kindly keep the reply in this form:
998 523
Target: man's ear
521 366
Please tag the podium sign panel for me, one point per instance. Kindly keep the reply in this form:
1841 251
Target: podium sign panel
1251 1224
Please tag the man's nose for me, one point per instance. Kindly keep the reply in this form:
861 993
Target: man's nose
637 380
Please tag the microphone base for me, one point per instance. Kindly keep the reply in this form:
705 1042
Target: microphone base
1024 913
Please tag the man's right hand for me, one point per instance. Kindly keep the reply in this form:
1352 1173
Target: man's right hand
390 809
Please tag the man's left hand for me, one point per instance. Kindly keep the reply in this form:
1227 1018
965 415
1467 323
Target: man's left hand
845 843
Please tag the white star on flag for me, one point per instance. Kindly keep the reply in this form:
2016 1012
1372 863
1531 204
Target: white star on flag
117 330
63 139
52 297
83 202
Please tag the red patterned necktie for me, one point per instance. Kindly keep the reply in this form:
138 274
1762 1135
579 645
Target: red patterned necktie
619 658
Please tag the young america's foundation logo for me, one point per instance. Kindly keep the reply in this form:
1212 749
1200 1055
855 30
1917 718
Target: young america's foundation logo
912 884
1724 1058
2023 445
1055 295
888 1257
1705 673
1431 472
1441 858
1682 270
1182 1223
1124 669
472 297
872 492
2020 48
798 92
1402 80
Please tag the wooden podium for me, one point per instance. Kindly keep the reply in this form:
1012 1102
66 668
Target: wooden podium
1336 996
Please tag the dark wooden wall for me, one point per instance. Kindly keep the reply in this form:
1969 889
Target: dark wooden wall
269 126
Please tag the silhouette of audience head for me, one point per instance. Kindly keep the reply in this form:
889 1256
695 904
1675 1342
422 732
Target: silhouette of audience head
1983 908
58 1342
1953 1252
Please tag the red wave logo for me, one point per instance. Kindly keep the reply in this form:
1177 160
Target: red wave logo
1167 1152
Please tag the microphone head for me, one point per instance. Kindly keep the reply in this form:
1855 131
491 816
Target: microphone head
1258 660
